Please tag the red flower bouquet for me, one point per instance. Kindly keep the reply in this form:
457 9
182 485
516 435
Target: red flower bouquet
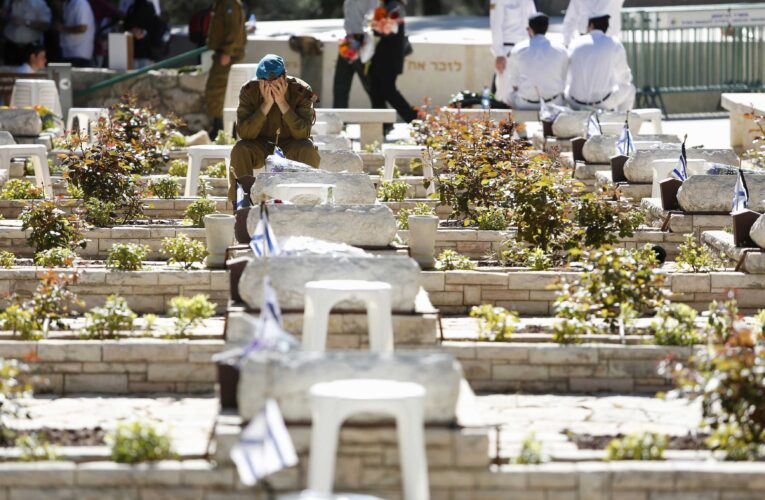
349 48
384 21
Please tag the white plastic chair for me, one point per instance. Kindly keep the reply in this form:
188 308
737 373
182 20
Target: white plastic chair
36 93
39 156
321 296
86 117
652 115
197 155
237 77
229 117
392 152
334 402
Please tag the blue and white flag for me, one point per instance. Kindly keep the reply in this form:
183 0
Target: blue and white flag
740 193
625 146
681 169
593 126
263 241
242 200
278 152
269 333
548 112
264 446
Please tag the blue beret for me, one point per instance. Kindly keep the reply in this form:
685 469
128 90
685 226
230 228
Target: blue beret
270 67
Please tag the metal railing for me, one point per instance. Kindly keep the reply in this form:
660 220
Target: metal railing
695 49
132 74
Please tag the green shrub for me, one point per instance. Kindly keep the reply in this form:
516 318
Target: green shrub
99 213
183 250
177 141
494 323
7 259
49 304
55 257
615 286
196 211
21 189
104 322
165 188
224 138
643 446
392 191
513 253
178 168
373 147
51 227
449 260
137 442
492 219
531 451
74 191
22 322
603 221
189 312
126 256
695 257
14 385
674 324
419 209
217 170
396 172
35 447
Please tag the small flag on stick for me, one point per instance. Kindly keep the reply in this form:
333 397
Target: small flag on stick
625 146
681 169
593 125
242 200
263 241
264 446
740 193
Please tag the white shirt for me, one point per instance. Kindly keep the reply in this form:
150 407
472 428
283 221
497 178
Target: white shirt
597 67
79 45
25 69
355 13
508 20
579 12
28 10
537 67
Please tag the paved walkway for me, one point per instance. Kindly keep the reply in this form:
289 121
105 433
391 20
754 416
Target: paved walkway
548 416
189 420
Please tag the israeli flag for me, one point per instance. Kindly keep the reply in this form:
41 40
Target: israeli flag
681 169
740 193
547 112
269 333
278 152
264 446
625 146
593 126
263 241
242 201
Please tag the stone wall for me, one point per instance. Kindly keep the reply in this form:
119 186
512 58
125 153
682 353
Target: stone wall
167 90
118 366
529 293
155 208
534 367
146 291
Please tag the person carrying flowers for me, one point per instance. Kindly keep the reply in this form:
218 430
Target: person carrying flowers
349 60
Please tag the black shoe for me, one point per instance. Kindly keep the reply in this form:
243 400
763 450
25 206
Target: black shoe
217 126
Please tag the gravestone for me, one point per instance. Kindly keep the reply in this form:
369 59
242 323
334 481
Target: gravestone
600 148
350 189
341 160
639 167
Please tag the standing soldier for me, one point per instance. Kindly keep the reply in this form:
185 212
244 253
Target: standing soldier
227 38
508 20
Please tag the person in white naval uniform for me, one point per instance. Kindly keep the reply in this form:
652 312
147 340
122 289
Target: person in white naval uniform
507 19
580 11
598 74
536 68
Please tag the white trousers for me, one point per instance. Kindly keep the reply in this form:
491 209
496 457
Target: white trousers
622 98
516 102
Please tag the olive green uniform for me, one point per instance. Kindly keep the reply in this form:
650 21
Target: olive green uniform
226 36
257 132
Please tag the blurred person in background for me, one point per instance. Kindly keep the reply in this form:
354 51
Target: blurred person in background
142 20
24 21
34 56
579 12
77 33
355 14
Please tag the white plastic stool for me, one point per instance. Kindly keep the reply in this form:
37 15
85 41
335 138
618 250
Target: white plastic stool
86 117
229 117
237 77
36 93
39 156
391 152
197 154
299 192
321 296
652 115
333 402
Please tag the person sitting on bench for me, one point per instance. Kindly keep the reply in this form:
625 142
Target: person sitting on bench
274 110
